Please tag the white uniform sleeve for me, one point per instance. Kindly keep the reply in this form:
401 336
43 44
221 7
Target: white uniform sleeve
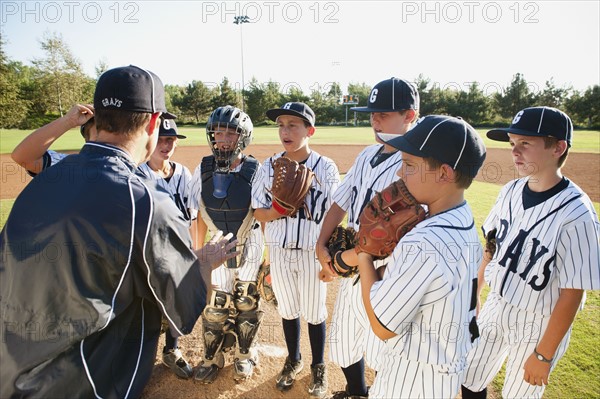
196 189
333 181
578 256
414 281
343 194
255 176
259 187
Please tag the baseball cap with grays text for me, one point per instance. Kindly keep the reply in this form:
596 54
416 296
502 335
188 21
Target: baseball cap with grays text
131 88
447 139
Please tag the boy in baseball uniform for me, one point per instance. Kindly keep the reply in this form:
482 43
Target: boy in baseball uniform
546 255
221 192
424 305
175 179
393 104
291 244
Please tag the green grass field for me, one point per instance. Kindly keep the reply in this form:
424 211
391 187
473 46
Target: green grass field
578 373
583 140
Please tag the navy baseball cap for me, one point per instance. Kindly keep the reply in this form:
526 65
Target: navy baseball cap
539 122
298 109
168 128
391 95
445 138
131 88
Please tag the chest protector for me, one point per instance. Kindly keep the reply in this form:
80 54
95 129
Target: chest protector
232 213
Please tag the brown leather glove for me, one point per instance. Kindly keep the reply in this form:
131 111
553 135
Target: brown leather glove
291 183
386 219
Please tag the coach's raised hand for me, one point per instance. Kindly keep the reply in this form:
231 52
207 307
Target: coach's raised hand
217 250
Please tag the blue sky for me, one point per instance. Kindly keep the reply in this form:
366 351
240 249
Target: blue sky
311 44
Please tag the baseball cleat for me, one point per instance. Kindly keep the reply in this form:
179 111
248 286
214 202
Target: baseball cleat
318 383
286 378
174 360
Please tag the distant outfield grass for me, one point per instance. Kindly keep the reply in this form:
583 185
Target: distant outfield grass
583 140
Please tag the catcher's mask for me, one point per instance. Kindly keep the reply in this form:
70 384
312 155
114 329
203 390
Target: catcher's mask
222 119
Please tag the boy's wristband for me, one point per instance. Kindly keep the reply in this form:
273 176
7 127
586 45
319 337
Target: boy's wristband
278 208
541 357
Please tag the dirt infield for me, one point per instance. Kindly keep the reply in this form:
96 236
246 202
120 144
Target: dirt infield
583 169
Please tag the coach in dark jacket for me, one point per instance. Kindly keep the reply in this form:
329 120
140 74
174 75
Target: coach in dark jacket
93 256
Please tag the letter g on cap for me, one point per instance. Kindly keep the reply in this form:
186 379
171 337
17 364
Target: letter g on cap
517 117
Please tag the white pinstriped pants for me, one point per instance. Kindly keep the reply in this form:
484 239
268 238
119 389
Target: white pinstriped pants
295 281
399 377
507 332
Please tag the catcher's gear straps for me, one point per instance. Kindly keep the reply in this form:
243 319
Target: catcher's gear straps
214 317
232 214
249 168
301 210
228 213
246 301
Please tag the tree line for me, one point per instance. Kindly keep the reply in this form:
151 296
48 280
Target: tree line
31 95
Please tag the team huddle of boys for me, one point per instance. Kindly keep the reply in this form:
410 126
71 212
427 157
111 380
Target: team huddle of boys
106 249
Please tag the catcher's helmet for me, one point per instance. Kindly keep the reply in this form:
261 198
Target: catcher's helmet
223 118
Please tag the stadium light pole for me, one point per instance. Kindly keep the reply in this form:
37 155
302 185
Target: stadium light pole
239 20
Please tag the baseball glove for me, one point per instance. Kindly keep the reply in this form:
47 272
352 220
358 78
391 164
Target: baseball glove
386 219
264 283
490 243
291 182
341 240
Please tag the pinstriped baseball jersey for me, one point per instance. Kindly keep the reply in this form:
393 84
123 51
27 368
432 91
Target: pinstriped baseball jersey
544 248
350 334
363 180
298 232
178 186
427 295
